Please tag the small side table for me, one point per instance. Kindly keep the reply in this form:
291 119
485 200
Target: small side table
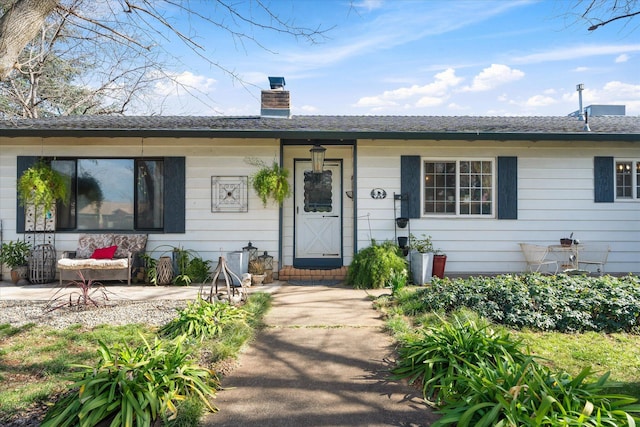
567 256
42 264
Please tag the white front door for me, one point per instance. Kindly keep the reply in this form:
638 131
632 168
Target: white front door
318 215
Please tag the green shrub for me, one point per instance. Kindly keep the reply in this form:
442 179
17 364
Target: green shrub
133 387
562 303
198 270
191 267
438 356
202 319
375 266
479 377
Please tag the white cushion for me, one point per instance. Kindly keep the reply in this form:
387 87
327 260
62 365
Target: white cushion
96 264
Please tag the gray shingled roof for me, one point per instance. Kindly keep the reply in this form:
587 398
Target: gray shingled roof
317 127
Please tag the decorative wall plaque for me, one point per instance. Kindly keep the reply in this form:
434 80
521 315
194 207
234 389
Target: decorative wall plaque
229 194
378 193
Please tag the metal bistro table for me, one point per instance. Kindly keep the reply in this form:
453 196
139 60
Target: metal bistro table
567 256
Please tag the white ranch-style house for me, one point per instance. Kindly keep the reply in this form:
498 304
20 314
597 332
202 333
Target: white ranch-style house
479 186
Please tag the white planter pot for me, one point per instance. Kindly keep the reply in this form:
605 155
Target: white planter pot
421 267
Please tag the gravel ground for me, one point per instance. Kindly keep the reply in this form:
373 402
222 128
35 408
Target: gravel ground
19 313
156 313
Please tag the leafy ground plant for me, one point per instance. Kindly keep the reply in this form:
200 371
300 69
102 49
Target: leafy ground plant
561 303
133 387
202 319
35 359
375 266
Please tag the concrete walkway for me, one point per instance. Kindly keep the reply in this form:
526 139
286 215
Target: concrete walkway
116 291
323 360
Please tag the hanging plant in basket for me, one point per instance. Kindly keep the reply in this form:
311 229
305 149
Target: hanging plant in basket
270 182
42 186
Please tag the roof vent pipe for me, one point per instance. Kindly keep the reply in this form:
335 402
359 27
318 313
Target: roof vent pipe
586 122
580 88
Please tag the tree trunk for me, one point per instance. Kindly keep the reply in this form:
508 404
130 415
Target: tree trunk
18 26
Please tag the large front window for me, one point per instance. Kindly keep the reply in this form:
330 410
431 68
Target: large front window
458 187
627 179
112 194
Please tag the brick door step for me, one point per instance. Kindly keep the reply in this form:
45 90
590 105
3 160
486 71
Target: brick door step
288 273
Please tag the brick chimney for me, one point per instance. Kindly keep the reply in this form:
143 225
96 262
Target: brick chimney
276 102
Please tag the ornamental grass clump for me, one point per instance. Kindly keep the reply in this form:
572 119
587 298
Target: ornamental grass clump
479 377
133 387
437 357
202 319
376 266
86 293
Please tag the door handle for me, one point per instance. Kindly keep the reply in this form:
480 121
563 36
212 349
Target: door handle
330 254
329 216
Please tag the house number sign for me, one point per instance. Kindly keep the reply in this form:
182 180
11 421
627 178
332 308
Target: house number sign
378 193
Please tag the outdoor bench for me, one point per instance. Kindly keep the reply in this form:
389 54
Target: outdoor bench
107 256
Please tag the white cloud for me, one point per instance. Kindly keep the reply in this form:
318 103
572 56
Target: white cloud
397 25
576 52
429 101
456 107
622 58
431 94
539 101
176 84
307 109
620 90
368 5
256 78
581 69
494 76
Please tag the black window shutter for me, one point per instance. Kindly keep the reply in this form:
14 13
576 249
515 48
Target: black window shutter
603 180
24 163
174 194
410 185
507 188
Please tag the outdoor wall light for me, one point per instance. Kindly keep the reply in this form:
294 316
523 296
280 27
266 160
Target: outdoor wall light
317 158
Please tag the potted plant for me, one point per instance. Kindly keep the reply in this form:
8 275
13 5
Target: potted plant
256 269
421 253
439 263
270 182
16 256
39 187
42 186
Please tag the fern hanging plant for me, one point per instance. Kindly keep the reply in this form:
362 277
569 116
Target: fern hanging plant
42 186
270 182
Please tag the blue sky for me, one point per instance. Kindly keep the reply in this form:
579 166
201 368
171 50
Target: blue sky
401 57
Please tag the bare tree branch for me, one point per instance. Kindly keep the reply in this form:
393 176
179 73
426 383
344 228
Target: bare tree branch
106 38
628 15
599 13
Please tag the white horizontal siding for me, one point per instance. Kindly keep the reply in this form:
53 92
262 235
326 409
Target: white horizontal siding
555 198
211 234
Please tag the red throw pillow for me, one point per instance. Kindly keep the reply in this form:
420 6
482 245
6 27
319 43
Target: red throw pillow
104 253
